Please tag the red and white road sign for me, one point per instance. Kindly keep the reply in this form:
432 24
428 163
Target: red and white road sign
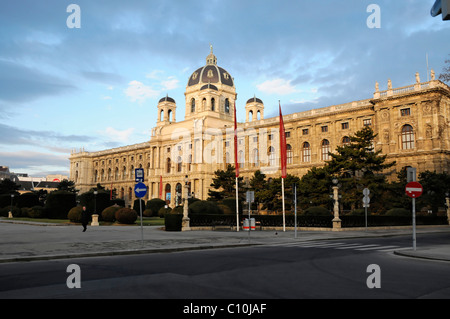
413 189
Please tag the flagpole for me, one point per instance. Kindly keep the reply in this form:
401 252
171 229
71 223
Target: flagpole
237 205
236 165
282 195
283 161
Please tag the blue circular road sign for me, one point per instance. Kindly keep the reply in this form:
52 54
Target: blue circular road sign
140 190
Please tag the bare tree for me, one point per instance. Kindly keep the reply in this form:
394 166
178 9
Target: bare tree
445 75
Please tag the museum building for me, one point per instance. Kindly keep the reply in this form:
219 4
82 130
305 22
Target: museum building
411 123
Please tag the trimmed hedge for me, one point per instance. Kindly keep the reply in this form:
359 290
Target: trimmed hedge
204 207
74 214
173 222
59 203
155 205
109 213
126 215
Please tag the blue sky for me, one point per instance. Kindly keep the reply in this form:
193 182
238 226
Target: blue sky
98 86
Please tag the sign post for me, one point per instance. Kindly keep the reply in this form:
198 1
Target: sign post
295 210
366 201
140 190
414 190
250 198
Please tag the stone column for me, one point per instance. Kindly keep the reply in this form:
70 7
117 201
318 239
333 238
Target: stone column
185 224
336 219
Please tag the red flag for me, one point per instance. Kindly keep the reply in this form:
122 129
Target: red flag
160 187
110 193
283 149
236 164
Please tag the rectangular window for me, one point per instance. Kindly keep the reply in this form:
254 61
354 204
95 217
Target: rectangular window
324 129
344 126
305 131
367 122
288 134
270 137
405 112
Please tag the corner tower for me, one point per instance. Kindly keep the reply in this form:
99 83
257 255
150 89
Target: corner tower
210 91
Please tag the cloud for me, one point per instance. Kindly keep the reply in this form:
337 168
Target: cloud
104 77
137 91
117 135
170 84
45 139
19 83
277 86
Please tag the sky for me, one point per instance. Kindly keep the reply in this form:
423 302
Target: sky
92 78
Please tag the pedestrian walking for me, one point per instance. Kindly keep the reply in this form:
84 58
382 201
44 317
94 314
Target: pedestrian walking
84 218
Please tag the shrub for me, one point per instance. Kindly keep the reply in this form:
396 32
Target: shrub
126 215
136 206
59 203
163 211
358 212
109 213
317 211
74 214
398 212
205 207
36 212
147 213
226 209
95 203
28 200
155 205
173 222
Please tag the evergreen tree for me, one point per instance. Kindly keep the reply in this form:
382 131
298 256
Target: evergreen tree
357 166
224 185
66 185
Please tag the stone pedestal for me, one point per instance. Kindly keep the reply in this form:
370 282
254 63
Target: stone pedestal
185 223
336 219
94 220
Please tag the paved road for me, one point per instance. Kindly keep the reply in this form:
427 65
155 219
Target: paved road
277 270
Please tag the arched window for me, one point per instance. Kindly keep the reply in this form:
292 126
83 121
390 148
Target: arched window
325 150
255 157
168 164
192 105
289 154
227 106
345 140
189 162
407 137
241 158
306 152
213 104
250 116
271 154
227 158
179 164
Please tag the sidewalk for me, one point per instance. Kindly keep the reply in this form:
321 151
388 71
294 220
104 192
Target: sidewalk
29 241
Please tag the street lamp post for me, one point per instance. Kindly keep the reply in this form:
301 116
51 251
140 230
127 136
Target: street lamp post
185 223
10 215
94 221
336 220
447 202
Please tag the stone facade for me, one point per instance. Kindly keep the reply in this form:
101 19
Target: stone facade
411 122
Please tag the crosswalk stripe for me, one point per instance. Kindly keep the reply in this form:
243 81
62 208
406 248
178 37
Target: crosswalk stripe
340 245
376 248
354 247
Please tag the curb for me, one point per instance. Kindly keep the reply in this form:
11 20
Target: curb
118 253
